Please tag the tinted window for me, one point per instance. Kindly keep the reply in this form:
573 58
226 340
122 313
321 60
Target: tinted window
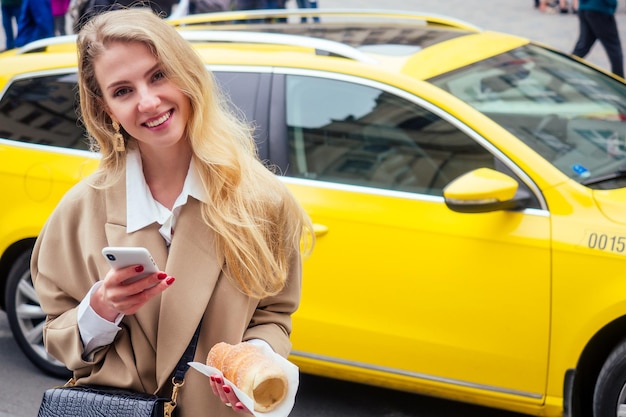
248 94
42 110
355 134
241 88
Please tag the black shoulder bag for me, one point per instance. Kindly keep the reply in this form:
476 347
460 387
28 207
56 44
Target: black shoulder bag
89 400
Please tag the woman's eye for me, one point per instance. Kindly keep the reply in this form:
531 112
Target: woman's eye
120 92
158 75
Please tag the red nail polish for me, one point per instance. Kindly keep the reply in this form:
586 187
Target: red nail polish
218 380
161 275
139 268
226 389
170 280
239 406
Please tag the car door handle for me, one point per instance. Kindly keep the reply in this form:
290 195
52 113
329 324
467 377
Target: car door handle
319 229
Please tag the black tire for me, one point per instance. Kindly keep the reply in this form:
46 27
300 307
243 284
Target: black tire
26 318
609 397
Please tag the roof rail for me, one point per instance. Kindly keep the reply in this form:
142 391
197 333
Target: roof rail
332 47
381 14
40 44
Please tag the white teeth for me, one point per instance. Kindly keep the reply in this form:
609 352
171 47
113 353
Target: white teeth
160 120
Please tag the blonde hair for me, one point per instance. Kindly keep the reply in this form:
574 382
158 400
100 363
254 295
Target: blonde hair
258 222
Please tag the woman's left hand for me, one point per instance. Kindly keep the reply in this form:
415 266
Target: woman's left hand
227 394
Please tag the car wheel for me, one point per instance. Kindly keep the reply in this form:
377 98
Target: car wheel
609 398
26 318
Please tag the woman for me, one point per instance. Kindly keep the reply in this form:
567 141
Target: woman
178 175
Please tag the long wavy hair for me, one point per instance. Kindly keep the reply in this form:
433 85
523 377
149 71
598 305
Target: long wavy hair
258 222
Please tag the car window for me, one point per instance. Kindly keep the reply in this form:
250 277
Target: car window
248 94
240 88
571 114
42 110
356 134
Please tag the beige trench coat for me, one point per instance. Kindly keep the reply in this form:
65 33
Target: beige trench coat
67 261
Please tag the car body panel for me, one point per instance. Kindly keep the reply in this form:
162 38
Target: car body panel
448 336
611 204
580 275
459 52
47 175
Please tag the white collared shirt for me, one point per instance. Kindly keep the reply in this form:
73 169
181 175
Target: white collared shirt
141 211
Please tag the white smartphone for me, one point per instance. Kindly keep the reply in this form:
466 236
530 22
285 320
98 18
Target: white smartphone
121 257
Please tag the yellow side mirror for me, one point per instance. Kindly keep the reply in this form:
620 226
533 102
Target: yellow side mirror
482 190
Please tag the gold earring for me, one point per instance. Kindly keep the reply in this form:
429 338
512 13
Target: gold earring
118 139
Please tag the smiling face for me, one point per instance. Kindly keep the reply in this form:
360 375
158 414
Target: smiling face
137 94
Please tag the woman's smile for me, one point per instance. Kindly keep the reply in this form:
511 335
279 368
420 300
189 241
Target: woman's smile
159 121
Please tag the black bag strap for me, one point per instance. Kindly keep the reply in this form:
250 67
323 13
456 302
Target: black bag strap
181 369
183 363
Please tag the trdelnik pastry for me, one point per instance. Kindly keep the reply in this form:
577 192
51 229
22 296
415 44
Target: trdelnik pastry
252 372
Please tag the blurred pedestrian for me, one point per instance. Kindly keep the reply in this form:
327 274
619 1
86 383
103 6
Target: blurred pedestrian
259 5
59 11
83 10
308 4
250 4
163 8
208 6
564 6
35 22
10 15
77 11
547 6
281 4
597 22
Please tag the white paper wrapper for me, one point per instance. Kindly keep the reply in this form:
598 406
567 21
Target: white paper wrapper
284 408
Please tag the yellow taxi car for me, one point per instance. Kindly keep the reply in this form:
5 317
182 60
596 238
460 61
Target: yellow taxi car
468 190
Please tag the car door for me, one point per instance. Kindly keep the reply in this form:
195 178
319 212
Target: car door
399 286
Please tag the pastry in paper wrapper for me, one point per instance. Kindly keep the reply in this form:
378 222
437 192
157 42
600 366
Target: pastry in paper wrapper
252 372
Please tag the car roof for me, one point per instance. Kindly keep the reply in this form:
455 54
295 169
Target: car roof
418 45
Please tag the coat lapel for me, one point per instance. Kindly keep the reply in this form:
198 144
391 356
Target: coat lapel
148 237
193 262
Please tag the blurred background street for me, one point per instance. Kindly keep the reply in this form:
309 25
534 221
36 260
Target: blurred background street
518 17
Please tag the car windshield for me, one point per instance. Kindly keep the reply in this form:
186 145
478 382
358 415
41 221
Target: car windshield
571 114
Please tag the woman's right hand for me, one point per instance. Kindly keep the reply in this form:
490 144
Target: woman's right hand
117 296
227 394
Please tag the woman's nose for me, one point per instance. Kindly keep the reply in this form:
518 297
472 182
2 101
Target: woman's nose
148 101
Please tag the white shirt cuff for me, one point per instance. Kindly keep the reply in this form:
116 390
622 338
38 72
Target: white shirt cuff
95 331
